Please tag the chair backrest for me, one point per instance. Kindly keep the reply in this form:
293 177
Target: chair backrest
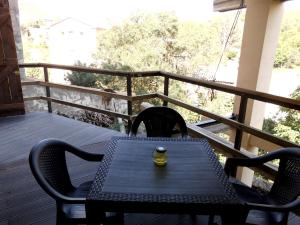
48 164
159 121
286 187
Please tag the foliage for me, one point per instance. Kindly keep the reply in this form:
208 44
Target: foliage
180 92
151 42
114 82
287 133
286 124
146 42
231 55
288 50
36 73
269 125
35 48
82 78
141 42
222 104
292 116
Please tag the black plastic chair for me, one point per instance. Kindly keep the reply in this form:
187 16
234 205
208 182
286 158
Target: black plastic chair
160 121
273 207
48 164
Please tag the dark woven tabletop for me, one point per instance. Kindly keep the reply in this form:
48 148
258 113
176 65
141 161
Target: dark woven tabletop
192 175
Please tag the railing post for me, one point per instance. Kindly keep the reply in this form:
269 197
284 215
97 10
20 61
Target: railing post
129 102
166 89
241 119
48 93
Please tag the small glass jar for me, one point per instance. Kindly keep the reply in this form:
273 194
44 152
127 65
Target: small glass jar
160 156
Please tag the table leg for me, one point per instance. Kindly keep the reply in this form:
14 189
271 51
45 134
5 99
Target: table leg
120 218
94 215
237 217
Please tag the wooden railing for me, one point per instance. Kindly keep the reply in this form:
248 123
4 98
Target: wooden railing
223 146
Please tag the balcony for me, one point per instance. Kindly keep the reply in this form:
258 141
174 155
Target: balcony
26 203
258 138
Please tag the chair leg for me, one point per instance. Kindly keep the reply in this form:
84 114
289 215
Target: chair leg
239 218
120 218
285 219
60 218
211 219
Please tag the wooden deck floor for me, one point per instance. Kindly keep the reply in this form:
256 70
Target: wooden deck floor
22 201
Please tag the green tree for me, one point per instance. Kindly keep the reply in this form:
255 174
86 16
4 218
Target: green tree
143 42
158 42
292 116
287 122
82 78
151 42
288 50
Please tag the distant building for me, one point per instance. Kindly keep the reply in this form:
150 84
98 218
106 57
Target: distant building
70 40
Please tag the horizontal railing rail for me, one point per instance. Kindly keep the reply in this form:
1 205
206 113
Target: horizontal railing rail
231 123
107 112
88 90
255 95
239 125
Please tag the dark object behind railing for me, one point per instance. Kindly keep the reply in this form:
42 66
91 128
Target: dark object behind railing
210 122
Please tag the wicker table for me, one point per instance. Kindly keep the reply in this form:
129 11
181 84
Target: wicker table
192 182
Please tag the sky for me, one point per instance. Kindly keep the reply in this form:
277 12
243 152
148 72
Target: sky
106 13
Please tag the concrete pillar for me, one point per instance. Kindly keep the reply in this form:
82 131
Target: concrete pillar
260 38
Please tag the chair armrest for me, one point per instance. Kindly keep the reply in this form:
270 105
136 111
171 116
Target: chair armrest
232 163
85 155
277 208
67 199
93 157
